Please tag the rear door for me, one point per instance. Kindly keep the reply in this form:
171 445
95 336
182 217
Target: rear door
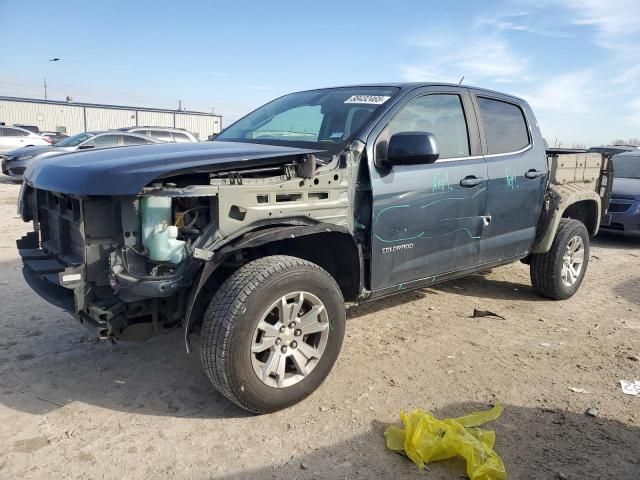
517 166
428 219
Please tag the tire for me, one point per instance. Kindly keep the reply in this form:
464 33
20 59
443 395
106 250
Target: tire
546 269
232 319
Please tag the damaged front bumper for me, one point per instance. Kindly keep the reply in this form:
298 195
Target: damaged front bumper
76 260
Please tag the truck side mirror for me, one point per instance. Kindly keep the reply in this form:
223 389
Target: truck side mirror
412 148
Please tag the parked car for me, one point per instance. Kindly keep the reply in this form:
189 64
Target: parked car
15 162
319 198
624 210
32 128
54 137
166 134
16 137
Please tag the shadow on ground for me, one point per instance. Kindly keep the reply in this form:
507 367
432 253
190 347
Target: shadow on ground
629 289
9 180
611 240
476 285
47 360
156 377
533 443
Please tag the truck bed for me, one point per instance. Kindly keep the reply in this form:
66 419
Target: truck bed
573 170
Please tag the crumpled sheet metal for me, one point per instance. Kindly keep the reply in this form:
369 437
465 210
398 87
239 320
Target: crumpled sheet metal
425 439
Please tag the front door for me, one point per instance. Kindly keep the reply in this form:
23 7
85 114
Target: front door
428 219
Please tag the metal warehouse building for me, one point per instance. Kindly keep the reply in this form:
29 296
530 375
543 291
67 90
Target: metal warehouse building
72 118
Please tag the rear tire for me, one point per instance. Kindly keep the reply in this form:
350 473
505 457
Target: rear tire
273 299
558 273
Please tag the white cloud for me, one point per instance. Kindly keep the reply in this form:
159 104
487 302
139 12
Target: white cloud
634 118
570 92
522 21
416 73
477 59
612 19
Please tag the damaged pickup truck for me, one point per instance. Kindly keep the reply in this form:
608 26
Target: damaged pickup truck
322 198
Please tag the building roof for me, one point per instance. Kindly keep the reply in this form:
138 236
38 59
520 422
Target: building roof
102 105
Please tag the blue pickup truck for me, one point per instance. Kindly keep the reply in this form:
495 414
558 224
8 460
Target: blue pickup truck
319 199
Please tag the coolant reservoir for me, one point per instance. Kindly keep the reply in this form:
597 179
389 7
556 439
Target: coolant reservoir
159 236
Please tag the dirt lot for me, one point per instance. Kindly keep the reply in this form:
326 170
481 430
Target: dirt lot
74 408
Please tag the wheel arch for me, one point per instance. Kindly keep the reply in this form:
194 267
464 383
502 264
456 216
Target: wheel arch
329 246
585 206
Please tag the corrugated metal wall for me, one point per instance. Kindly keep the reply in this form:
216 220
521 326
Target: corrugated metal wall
76 118
155 119
107 118
48 117
199 123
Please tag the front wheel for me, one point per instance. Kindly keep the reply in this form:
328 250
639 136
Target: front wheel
272 332
558 273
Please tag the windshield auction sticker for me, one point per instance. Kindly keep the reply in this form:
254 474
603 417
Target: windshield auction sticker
367 99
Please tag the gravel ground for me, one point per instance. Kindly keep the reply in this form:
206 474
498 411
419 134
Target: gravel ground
74 408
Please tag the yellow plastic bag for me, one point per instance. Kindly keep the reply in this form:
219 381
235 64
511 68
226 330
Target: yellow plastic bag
427 439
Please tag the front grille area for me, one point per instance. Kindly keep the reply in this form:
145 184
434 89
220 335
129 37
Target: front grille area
61 227
70 246
618 207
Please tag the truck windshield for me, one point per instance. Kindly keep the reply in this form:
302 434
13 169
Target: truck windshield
626 167
317 119
74 140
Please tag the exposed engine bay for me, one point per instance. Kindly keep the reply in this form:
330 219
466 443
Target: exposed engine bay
124 264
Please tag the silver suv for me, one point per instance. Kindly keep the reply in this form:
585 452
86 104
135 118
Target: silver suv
16 161
165 134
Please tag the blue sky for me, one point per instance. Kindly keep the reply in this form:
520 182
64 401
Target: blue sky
576 61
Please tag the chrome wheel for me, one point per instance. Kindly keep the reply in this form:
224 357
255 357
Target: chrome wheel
572 261
290 339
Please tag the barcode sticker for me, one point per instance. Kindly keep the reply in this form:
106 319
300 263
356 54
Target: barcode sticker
367 99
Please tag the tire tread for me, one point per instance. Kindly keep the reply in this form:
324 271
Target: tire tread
544 266
225 306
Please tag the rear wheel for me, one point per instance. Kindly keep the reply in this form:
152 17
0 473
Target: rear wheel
272 332
559 272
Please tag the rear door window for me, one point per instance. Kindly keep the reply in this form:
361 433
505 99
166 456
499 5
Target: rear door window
131 140
180 137
14 132
161 135
106 141
504 125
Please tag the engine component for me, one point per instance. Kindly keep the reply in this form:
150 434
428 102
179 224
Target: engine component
159 236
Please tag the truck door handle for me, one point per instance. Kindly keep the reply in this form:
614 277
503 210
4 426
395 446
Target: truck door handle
531 174
471 181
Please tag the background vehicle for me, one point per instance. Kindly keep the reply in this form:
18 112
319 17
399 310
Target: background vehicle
317 199
32 128
624 210
16 161
54 137
16 137
171 135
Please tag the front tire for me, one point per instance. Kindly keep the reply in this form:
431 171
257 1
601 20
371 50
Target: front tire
272 332
558 273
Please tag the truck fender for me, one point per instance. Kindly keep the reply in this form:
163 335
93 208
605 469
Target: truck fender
251 239
565 199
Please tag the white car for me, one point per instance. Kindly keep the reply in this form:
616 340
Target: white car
16 137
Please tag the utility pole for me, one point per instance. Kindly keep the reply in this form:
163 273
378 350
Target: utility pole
179 105
56 59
